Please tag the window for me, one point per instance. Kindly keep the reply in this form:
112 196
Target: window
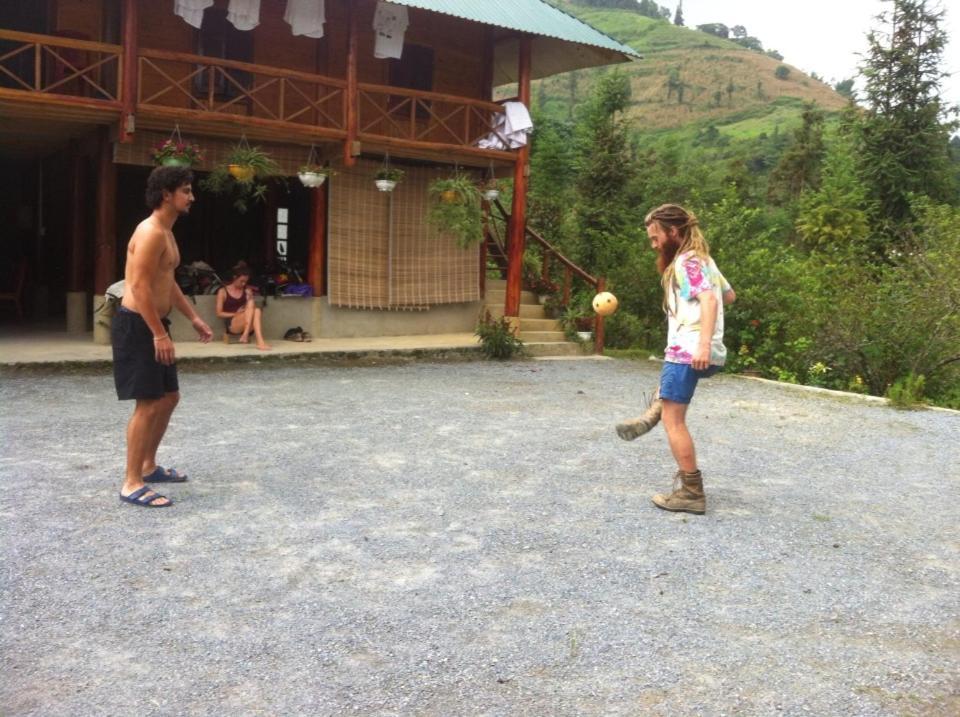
413 71
219 38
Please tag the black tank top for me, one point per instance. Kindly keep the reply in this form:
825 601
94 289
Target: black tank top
232 305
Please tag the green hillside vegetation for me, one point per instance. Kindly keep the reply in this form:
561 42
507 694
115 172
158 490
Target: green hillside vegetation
838 225
690 77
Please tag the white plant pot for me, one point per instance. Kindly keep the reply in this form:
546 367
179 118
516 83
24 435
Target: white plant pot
542 298
585 335
491 194
385 185
312 179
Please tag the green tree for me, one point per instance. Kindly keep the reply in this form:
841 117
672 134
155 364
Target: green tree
606 213
782 72
715 28
678 16
845 88
799 167
905 131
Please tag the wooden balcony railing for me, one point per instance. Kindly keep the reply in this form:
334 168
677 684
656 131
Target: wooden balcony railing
180 86
60 66
418 118
183 84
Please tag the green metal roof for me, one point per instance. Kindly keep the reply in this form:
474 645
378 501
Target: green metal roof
547 24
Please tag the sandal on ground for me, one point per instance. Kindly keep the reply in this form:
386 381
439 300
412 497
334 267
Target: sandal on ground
140 497
162 475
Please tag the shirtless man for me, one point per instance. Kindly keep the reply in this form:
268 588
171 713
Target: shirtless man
144 360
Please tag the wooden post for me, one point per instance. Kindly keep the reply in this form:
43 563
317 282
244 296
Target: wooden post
353 96
486 76
78 237
316 255
598 324
128 71
105 268
518 212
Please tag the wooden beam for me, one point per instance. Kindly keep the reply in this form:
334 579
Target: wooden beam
353 95
518 212
128 71
317 252
105 268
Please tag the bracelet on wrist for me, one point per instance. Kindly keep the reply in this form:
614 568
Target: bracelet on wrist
161 338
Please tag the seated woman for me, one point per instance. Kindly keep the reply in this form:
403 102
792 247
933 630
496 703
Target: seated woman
236 307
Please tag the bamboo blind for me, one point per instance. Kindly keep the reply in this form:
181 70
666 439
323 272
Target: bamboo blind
383 254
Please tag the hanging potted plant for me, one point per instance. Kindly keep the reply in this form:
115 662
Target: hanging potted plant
313 175
243 173
491 189
456 208
387 177
176 153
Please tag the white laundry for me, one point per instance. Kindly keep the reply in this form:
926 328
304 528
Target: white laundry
191 10
306 17
511 128
390 22
244 14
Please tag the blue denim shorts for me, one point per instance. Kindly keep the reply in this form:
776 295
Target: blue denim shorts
678 381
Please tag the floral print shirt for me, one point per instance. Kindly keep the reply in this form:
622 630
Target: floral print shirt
692 276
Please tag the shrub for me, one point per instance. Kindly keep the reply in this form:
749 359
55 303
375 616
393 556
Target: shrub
782 72
906 392
497 340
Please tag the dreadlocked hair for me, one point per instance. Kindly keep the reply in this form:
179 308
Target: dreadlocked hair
688 238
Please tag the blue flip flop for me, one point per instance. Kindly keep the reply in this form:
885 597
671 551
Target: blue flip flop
139 497
162 475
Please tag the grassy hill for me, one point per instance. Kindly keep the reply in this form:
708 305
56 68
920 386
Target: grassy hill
690 79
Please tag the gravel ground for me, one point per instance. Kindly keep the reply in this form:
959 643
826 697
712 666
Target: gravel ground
473 539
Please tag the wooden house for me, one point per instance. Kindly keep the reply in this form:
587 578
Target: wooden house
89 87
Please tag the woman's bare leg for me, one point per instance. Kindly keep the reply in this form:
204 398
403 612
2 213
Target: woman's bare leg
258 329
238 326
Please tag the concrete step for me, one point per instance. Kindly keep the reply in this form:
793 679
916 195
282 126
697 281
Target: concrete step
527 311
541 336
529 324
498 296
556 348
497 284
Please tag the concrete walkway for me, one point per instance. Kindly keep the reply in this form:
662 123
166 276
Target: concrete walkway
28 347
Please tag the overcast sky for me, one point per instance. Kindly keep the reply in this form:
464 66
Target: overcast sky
822 36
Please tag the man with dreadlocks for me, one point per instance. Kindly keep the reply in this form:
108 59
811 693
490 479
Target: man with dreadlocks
694 294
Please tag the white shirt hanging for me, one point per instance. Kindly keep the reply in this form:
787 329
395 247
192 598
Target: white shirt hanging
306 17
390 22
244 14
191 10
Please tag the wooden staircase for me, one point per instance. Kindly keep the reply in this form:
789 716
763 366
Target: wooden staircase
541 336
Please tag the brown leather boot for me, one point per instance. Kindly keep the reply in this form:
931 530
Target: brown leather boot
635 428
687 496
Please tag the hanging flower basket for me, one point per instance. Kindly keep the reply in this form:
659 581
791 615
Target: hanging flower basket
387 177
312 175
176 153
242 172
456 210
